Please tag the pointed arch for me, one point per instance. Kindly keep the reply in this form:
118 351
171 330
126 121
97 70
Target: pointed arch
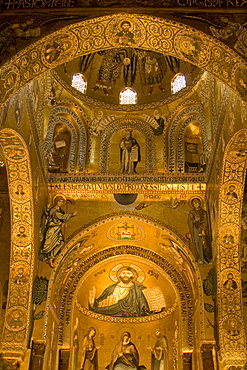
151 33
58 115
182 118
122 124
81 255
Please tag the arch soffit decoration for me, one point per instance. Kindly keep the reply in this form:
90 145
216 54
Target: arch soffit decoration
17 317
122 124
232 342
82 266
150 33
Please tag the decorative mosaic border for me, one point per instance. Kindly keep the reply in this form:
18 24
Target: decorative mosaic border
231 322
141 180
16 325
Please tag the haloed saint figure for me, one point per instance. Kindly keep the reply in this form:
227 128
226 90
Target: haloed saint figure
125 298
125 36
90 351
125 355
130 153
53 239
200 232
159 353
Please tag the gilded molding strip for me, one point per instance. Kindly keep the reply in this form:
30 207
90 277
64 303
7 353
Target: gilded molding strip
80 190
16 325
231 321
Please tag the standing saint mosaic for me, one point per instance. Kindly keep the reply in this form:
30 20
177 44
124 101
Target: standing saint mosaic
130 153
53 239
200 231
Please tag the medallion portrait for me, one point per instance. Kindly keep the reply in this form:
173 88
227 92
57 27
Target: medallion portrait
125 32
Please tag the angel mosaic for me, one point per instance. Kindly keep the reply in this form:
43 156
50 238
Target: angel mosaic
126 62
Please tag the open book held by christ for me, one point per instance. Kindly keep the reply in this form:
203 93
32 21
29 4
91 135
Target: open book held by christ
155 299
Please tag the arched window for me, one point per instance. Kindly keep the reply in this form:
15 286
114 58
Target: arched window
79 82
178 83
128 96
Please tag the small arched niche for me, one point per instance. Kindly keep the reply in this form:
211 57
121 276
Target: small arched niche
193 145
127 152
59 154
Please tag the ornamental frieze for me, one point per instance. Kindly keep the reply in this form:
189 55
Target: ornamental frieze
40 4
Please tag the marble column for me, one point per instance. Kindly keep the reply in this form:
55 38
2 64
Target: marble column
207 356
187 361
64 359
37 355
